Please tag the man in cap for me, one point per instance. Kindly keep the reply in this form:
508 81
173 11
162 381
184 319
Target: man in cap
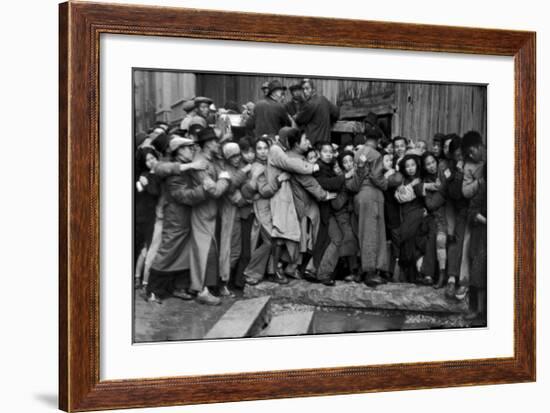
293 106
172 257
204 217
202 105
190 110
316 115
269 114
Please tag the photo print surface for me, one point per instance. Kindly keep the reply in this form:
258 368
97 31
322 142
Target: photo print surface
281 205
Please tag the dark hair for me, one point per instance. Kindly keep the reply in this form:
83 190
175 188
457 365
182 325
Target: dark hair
245 144
319 145
456 143
425 156
231 105
399 138
438 137
294 136
403 161
195 129
450 136
471 139
342 156
309 151
384 142
263 139
141 157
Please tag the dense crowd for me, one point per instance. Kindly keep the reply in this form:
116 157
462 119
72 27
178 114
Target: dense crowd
281 200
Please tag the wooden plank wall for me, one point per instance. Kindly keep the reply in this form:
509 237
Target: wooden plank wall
425 109
419 111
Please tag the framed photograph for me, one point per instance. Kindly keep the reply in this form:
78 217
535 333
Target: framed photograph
264 206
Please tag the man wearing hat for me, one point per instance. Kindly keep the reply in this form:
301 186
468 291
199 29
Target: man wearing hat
316 115
269 114
180 194
202 105
293 106
190 110
204 217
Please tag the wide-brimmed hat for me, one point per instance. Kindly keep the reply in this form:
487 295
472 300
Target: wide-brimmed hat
188 105
201 99
295 86
207 134
274 85
177 142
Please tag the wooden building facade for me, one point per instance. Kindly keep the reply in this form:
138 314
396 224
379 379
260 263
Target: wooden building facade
416 110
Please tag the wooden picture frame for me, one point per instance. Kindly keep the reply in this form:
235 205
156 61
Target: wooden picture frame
81 25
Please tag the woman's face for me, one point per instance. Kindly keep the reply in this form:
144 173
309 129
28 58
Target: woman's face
347 163
430 164
151 161
410 167
387 161
261 150
457 155
235 160
249 156
436 148
326 154
389 148
312 157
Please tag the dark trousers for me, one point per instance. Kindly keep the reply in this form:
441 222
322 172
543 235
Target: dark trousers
161 283
246 229
455 248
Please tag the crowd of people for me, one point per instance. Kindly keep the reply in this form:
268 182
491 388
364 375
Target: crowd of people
284 201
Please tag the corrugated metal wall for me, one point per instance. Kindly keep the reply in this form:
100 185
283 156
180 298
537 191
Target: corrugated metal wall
419 110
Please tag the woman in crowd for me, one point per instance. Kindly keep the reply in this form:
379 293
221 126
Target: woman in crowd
326 249
343 212
435 222
410 196
230 203
146 198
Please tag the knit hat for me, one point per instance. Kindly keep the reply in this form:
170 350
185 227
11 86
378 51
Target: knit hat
231 149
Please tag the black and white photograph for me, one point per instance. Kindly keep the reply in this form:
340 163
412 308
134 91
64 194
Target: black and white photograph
270 205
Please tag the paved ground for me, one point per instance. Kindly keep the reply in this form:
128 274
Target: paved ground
176 319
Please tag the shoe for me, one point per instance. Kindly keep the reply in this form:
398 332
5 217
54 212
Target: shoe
296 274
137 283
184 295
329 282
251 281
225 292
277 278
427 280
372 279
205 297
441 279
153 298
450 289
350 278
380 275
461 293
310 276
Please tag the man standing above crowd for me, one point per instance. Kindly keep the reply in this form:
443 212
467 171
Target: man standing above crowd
269 114
293 105
316 115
